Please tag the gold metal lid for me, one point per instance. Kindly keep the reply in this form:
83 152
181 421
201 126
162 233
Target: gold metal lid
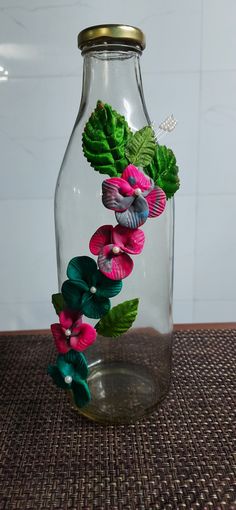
109 33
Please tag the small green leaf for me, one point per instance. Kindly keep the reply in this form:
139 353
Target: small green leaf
141 146
104 138
119 319
164 170
58 302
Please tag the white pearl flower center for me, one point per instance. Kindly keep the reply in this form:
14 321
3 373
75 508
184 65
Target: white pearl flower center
68 379
116 250
93 290
137 192
68 332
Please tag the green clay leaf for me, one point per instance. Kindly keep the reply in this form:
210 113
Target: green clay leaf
119 319
106 287
72 294
95 307
64 367
104 138
141 146
81 268
164 170
58 303
81 393
57 378
79 362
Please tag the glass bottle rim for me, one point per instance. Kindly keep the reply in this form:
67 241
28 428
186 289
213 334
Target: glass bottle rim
113 36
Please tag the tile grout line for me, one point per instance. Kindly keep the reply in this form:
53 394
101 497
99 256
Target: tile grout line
51 198
198 164
147 73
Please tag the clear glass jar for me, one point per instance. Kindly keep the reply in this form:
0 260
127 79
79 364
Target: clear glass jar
128 375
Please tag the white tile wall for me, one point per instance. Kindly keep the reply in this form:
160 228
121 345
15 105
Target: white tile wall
179 93
215 248
189 68
34 133
217 132
219 35
185 221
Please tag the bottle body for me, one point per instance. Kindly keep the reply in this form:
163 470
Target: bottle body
128 375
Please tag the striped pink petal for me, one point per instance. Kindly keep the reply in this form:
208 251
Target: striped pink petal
117 194
100 238
135 178
130 240
114 266
59 338
136 214
84 338
156 200
69 317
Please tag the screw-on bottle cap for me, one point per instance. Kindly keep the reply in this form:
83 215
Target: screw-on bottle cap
112 33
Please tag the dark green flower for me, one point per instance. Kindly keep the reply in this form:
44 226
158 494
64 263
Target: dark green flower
87 289
69 373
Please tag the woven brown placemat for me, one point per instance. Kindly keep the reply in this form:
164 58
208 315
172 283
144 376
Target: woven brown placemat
181 457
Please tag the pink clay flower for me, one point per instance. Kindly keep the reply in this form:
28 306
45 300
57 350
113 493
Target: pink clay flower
133 197
112 245
71 333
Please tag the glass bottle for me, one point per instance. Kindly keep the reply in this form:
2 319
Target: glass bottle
128 375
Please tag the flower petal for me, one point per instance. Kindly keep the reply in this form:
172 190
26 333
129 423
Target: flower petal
57 377
69 317
135 178
79 270
72 295
114 266
81 393
136 215
106 287
105 259
78 363
100 238
130 240
64 367
117 194
156 200
96 306
59 338
85 338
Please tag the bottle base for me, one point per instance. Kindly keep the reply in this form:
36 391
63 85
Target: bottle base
122 392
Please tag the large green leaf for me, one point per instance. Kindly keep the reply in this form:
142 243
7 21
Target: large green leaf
164 170
119 319
104 138
58 302
141 146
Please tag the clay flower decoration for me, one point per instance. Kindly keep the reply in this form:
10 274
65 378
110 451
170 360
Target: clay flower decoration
112 149
112 245
71 333
87 289
70 373
133 197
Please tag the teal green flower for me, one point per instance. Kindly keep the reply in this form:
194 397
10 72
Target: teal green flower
69 373
87 289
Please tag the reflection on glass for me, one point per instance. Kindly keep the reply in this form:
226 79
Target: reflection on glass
3 74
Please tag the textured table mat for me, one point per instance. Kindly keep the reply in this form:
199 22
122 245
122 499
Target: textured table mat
182 457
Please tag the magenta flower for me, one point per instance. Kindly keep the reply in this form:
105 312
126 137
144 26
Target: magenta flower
112 245
71 333
133 197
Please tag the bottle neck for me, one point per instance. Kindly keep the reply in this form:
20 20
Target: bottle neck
114 77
